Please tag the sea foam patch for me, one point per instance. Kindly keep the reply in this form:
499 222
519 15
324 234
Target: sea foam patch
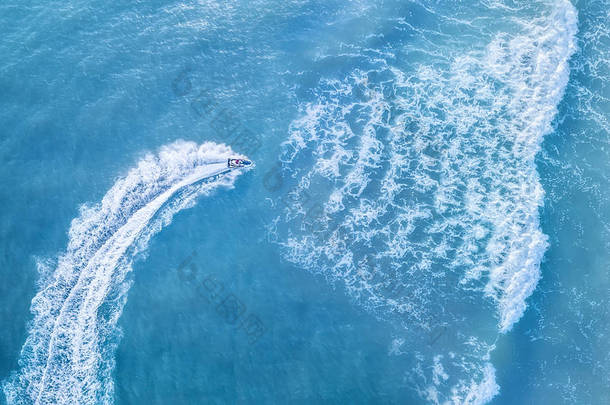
429 191
68 356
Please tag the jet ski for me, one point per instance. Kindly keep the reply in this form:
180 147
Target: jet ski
233 163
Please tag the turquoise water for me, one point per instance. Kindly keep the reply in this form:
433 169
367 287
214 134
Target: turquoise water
426 221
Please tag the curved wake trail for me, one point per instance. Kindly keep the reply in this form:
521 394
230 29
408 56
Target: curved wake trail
68 355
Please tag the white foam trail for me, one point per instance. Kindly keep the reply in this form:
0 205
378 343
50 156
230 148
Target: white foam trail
67 357
538 86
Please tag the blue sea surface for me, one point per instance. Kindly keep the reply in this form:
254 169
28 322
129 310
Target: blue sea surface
426 221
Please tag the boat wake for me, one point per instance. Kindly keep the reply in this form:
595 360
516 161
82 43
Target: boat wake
68 355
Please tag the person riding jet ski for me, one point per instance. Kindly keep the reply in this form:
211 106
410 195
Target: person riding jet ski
238 163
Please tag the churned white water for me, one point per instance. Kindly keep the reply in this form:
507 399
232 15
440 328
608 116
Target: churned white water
431 191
